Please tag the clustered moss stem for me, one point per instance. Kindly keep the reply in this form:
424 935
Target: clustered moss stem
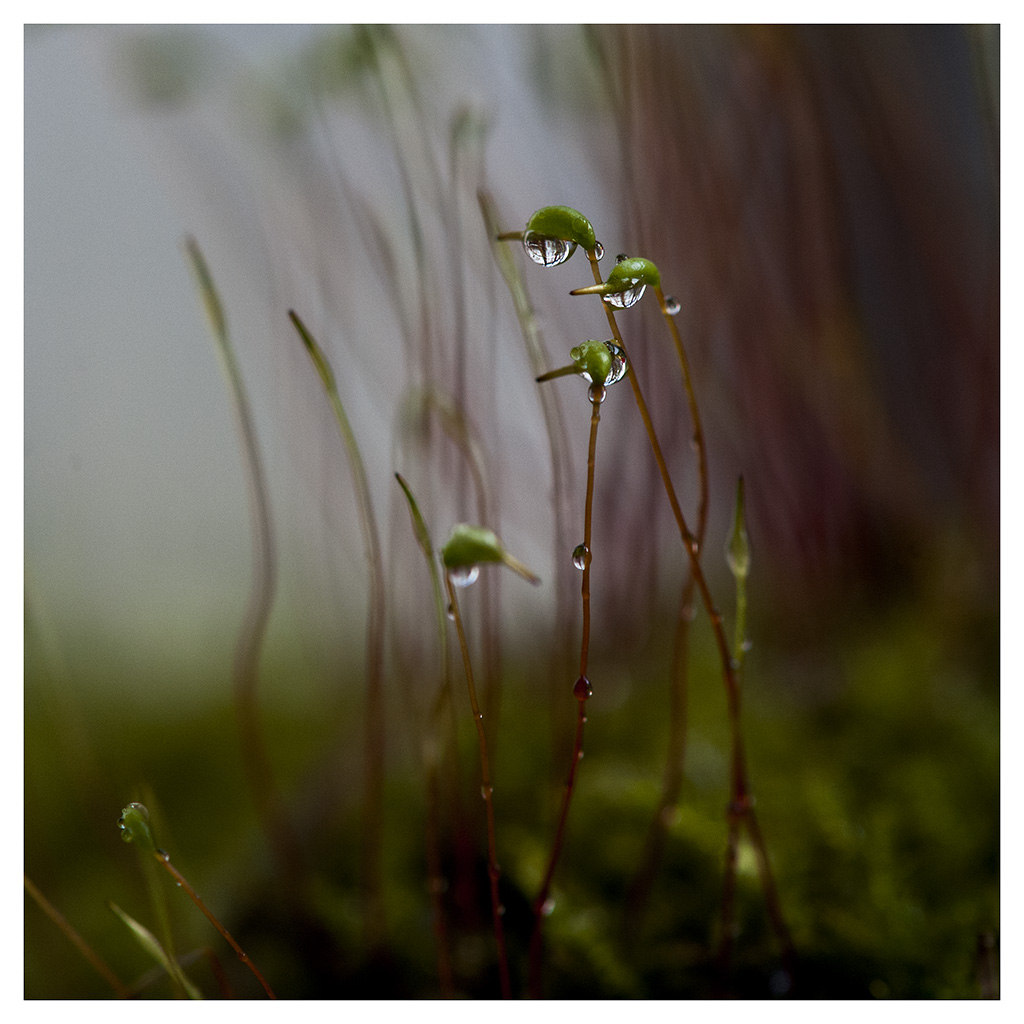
740 804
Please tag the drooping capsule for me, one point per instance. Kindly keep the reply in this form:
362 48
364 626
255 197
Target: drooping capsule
599 362
625 284
553 232
469 547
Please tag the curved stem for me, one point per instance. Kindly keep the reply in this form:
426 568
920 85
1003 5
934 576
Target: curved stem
582 692
487 791
373 752
431 755
672 779
255 759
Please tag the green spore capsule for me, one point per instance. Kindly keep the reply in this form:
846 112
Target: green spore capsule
553 232
626 282
472 546
134 826
599 362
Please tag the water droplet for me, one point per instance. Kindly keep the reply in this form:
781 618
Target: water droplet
599 250
548 907
630 297
163 854
596 393
619 364
451 612
582 689
486 792
746 645
672 306
547 251
464 575
579 556
622 256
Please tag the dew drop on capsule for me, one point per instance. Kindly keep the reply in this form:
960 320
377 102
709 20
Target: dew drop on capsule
582 690
619 365
579 556
599 250
623 300
547 251
672 306
464 575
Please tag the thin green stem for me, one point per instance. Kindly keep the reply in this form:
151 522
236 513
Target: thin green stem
581 691
487 791
95 960
164 861
373 755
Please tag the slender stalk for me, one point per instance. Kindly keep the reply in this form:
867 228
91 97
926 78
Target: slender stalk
255 759
741 803
487 791
554 424
83 947
164 860
431 745
672 780
581 691
373 754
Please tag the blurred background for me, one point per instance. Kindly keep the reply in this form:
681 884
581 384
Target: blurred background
824 204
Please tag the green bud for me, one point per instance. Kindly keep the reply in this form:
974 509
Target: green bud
626 282
632 271
470 546
737 546
134 826
593 358
563 222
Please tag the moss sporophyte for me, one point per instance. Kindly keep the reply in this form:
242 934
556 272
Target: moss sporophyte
624 287
134 826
